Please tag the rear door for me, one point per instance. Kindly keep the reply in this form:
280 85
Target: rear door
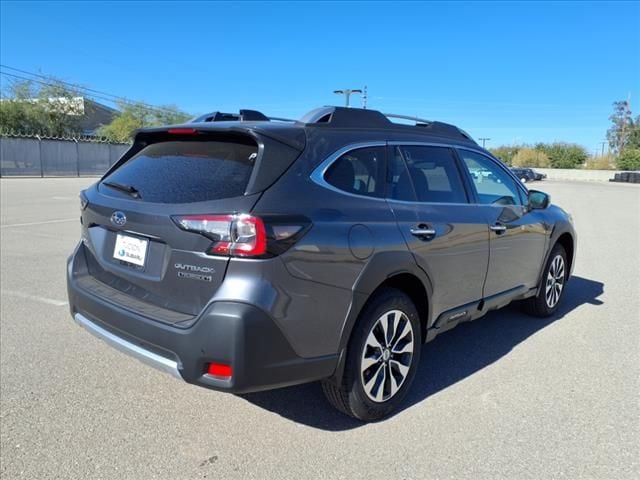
447 235
131 228
518 236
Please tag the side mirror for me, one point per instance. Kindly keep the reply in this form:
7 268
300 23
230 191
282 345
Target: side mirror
538 200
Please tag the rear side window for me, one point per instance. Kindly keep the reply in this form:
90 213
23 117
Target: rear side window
431 172
360 172
187 171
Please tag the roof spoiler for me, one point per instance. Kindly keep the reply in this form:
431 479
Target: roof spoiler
244 115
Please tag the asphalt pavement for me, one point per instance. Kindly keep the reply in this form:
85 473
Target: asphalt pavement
507 396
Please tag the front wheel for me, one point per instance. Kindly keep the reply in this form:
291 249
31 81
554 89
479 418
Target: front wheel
554 280
382 358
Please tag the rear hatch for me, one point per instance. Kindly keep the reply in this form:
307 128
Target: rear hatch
154 225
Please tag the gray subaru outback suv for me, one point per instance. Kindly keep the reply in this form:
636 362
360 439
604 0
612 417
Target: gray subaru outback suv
242 253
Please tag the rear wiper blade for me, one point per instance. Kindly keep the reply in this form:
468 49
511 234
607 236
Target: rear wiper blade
131 190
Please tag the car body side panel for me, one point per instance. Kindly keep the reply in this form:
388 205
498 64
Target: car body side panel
382 267
456 258
517 253
309 314
560 225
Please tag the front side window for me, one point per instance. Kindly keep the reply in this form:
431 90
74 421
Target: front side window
426 174
493 185
360 172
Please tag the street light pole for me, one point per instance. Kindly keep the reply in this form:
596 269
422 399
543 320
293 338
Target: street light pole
347 94
484 140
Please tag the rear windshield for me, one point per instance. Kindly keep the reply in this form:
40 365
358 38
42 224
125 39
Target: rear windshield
186 171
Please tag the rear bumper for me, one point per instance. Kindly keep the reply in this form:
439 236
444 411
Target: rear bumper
233 333
154 360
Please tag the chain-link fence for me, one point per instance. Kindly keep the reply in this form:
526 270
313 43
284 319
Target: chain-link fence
37 156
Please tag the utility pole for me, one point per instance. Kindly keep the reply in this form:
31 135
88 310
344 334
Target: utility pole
364 98
484 140
347 94
603 144
626 115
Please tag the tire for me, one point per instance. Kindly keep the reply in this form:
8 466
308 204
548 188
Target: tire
553 283
373 392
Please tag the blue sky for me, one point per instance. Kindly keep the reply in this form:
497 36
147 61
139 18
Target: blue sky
513 72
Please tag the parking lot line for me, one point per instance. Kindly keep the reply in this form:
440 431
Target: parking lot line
26 296
62 220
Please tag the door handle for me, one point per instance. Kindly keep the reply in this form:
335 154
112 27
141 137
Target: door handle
498 228
423 231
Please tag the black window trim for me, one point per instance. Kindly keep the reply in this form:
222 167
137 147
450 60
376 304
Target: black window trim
317 175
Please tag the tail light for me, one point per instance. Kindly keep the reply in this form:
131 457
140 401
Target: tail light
182 131
245 235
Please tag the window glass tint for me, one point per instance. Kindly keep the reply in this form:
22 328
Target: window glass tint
187 171
432 172
360 172
401 186
493 184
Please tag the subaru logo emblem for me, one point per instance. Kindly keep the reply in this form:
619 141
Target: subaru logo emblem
118 218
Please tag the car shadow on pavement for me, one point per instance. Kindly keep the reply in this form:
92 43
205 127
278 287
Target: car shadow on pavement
451 357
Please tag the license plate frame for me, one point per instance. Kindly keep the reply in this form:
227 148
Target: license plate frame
131 249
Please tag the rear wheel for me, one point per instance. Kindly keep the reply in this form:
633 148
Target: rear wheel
382 358
553 285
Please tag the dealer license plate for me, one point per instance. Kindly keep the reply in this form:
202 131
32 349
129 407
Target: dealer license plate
130 249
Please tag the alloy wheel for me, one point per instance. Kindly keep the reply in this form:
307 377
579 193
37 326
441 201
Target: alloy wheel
555 281
387 356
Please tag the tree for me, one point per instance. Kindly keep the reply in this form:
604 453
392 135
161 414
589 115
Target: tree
633 138
506 153
563 155
529 157
133 116
618 134
48 108
629 159
171 115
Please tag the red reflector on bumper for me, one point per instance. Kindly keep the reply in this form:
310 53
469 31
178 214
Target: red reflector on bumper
220 370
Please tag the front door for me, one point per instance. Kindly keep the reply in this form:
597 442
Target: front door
518 235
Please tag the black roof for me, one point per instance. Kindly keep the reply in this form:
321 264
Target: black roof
324 117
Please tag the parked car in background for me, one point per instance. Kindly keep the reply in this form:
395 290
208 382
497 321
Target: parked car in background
526 174
538 175
522 174
248 254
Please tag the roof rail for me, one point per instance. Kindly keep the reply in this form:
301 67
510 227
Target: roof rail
407 117
360 118
244 115
341 117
